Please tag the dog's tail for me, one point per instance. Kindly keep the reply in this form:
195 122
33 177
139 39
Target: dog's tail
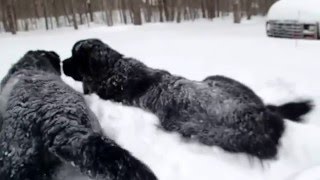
292 110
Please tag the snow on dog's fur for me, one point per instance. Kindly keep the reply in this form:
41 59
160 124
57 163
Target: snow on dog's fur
217 111
45 124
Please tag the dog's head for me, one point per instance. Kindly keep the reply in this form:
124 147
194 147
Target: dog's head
47 61
90 58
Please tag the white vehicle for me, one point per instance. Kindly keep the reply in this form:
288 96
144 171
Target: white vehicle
294 19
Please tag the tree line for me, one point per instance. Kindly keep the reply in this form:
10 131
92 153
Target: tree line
26 15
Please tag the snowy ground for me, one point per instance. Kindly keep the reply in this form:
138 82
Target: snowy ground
276 69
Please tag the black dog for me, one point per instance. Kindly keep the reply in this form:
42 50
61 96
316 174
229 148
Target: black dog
46 123
217 111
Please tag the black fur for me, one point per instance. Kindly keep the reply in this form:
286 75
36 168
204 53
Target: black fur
293 110
46 123
217 111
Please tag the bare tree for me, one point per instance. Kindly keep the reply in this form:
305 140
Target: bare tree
203 8
237 11
108 8
148 11
11 18
179 10
55 12
160 7
211 8
89 10
45 13
166 10
4 16
74 19
123 8
135 6
249 9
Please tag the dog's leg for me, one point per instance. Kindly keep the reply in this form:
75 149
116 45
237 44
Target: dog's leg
235 141
253 132
22 156
94 154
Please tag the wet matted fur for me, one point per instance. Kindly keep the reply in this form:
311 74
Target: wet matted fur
217 111
46 123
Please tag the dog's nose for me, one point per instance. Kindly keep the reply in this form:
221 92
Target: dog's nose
66 66
70 69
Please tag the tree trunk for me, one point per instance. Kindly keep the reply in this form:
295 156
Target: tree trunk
45 13
179 11
160 7
218 4
80 11
89 7
4 16
148 11
107 4
10 15
165 8
74 19
237 11
26 25
249 9
65 9
211 9
35 6
136 12
15 17
55 12
124 11
203 8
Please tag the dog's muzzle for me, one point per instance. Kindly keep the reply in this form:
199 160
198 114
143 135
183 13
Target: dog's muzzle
70 69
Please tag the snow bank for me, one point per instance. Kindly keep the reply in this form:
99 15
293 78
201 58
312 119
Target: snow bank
297 10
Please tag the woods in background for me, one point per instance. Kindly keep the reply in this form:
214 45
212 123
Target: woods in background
25 15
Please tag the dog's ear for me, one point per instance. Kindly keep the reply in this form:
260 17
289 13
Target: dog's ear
85 45
55 61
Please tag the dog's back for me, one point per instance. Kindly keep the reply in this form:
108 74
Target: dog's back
218 113
48 96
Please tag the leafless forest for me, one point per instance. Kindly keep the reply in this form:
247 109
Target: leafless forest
26 15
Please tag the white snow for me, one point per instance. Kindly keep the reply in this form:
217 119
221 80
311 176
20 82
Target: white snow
297 10
279 70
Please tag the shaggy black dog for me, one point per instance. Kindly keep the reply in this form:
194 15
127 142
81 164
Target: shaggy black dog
217 111
45 123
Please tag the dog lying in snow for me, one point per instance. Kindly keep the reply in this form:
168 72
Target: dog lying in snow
217 111
45 123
